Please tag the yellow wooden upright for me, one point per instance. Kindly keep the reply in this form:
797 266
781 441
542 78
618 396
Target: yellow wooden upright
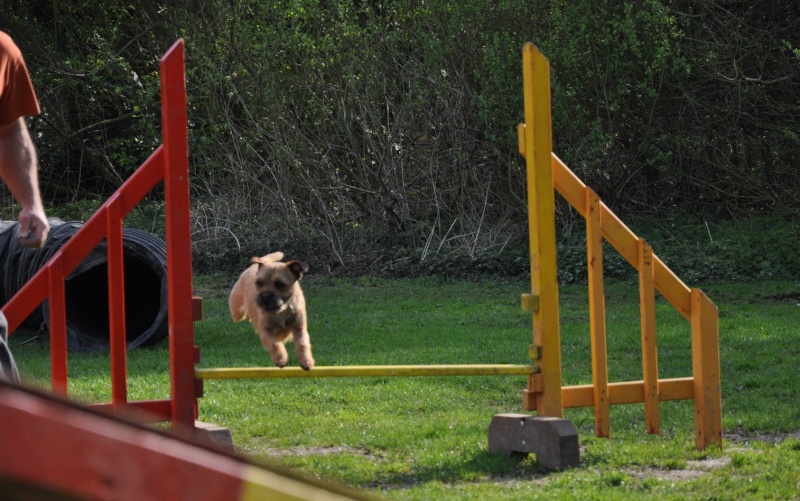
647 309
706 371
543 393
597 312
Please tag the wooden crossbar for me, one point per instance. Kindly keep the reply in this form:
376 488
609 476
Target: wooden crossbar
629 392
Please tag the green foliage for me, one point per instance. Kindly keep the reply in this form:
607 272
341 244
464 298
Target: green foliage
696 250
761 249
613 64
97 83
354 131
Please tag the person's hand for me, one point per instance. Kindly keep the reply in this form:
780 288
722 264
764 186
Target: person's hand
33 228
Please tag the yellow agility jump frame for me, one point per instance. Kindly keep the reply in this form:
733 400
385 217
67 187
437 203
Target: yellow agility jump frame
544 393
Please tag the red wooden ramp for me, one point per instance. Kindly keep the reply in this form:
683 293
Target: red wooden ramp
53 448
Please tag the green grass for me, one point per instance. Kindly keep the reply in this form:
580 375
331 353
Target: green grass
426 437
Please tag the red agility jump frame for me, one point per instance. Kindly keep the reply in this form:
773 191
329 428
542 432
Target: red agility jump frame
169 162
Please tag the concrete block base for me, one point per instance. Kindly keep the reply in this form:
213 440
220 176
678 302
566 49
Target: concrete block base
216 435
554 441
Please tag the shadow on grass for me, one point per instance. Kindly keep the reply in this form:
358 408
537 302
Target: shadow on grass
480 467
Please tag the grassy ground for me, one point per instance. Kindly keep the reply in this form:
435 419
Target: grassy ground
426 438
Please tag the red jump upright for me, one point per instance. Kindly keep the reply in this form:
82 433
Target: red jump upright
170 162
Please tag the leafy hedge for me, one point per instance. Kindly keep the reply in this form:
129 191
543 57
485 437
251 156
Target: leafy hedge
365 134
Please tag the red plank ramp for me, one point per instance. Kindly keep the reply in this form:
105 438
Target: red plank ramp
53 448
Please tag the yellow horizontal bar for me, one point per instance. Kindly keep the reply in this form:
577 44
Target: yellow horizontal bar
365 370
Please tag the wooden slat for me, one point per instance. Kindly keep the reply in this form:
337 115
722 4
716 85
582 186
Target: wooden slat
629 392
706 371
152 411
116 304
537 143
58 326
647 307
597 312
569 185
671 287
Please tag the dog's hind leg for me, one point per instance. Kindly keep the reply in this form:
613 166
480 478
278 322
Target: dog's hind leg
302 343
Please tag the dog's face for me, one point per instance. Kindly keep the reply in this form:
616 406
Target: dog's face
276 282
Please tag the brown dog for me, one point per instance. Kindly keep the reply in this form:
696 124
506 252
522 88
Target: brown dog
268 294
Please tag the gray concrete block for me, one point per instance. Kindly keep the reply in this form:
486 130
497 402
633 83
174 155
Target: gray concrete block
554 441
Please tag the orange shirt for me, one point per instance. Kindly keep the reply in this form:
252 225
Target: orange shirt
17 97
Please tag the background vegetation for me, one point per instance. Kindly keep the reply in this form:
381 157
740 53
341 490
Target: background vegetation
379 136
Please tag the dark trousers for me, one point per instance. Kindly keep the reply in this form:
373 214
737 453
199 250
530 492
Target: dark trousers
8 368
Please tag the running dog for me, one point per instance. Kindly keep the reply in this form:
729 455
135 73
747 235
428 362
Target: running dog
268 294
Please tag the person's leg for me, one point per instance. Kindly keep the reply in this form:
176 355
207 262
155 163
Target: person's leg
8 368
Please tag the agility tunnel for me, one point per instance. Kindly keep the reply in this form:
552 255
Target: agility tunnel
86 288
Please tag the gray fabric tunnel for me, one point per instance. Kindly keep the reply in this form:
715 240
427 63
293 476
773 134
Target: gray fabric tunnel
86 288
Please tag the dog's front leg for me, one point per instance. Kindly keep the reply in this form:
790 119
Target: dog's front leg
302 343
276 350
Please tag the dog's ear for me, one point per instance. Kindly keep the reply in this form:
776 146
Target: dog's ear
298 268
256 260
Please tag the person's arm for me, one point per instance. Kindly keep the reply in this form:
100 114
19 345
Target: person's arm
19 171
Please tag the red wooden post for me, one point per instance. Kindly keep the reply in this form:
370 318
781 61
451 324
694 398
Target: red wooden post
58 326
116 303
179 252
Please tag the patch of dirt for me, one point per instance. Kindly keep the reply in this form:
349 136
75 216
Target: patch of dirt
698 468
694 469
740 436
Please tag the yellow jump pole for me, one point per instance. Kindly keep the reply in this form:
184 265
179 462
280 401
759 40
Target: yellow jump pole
364 371
543 393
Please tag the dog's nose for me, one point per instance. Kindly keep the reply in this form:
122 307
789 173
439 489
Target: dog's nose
269 301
